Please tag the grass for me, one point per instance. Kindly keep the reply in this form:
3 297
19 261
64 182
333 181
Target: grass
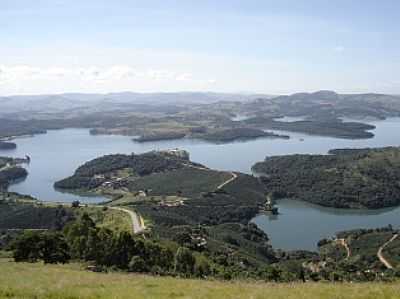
189 181
70 281
115 220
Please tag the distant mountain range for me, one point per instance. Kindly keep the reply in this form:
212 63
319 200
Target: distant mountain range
63 102
321 103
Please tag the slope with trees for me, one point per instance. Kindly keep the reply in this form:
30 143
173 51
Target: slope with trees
349 178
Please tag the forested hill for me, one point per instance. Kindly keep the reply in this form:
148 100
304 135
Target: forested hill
9 172
95 172
347 178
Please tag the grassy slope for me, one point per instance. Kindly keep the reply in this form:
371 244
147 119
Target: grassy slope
115 220
191 182
50 281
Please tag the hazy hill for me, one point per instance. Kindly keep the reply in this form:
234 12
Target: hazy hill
97 102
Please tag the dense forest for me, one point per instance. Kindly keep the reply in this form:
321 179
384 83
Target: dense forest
362 178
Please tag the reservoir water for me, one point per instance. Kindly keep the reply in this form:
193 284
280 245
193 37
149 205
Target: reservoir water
58 153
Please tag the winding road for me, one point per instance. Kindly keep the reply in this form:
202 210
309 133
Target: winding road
137 222
380 255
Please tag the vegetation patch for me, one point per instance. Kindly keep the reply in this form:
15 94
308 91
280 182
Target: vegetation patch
350 178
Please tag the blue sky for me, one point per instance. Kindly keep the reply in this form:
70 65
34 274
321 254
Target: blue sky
52 46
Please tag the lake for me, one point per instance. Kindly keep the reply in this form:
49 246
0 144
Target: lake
58 153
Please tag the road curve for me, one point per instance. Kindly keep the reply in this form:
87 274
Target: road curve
380 255
345 245
234 177
137 222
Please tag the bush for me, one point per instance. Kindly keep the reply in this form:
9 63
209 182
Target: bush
137 264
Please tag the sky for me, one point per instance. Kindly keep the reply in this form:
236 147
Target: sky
272 47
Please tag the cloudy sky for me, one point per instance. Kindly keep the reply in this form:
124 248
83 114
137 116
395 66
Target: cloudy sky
53 46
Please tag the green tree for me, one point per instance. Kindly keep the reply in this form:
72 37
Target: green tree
123 249
53 248
26 247
82 238
138 264
184 261
49 247
202 267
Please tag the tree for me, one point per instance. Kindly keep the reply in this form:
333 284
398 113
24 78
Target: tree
49 247
53 248
123 249
183 238
82 238
137 264
26 247
184 261
202 267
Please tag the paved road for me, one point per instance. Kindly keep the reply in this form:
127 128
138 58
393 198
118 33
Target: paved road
137 222
380 255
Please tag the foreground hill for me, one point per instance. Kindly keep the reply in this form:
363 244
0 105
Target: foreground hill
350 178
26 280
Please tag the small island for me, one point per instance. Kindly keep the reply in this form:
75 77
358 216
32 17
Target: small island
346 178
243 134
159 136
333 128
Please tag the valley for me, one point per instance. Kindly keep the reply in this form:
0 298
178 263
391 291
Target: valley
180 188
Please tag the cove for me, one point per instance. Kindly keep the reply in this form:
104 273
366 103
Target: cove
58 153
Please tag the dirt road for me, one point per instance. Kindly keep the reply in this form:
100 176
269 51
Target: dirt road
380 255
137 222
234 177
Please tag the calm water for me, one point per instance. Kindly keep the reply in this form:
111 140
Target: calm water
57 154
301 225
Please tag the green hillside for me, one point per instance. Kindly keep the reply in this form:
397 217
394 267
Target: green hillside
347 178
